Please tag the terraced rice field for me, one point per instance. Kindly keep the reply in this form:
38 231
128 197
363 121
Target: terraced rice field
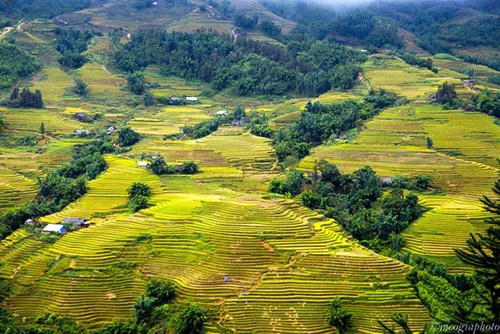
54 84
15 189
108 193
284 264
396 76
101 83
24 121
461 164
169 121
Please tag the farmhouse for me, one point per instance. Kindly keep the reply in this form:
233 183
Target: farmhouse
54 228
80 222
143 164
222 113
469 83
82 117
111 130
386 180
191 99
29 222
82 133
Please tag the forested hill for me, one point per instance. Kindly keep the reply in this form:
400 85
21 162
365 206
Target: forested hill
466 28
40 8
305 67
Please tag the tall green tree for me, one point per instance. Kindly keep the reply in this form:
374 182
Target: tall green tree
191 320
483 253
339 316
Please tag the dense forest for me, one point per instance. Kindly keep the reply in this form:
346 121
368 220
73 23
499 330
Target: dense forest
305 67
438 27
40 8
15 63
321 122
71 43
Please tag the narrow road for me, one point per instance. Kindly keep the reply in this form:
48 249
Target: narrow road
363 80
235 34
105 69
5 32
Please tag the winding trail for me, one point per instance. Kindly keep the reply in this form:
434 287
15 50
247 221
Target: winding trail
363 80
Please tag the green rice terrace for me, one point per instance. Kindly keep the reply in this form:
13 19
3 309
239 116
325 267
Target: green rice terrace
223 155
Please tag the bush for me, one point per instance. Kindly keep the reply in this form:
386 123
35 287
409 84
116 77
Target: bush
191 321
189 167
143 308
138 203
163 291
127 137
339 316
139 189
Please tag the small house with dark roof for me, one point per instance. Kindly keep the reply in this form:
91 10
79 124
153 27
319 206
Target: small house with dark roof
82 117
80 222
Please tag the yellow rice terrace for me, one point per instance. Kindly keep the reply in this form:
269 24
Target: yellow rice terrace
249 166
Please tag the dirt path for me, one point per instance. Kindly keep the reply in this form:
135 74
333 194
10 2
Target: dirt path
106 70
471 89
5 32
363 80
234 31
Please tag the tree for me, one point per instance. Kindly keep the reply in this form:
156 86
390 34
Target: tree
344 77
191 320
270 28
139 189
149 99
311 199
430 143
127 136
158 166
135 82
143 308
239 113
163 291
189 167
42 129
400 320
81 87
339 316
483 253
138 203
446 95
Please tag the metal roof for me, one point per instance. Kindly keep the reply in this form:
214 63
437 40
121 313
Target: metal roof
54 228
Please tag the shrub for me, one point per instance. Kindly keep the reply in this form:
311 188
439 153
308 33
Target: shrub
138 203
339 316
189 167
163 291
127 137
139 189
144 308
191 320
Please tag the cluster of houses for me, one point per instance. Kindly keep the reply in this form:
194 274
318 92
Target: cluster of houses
62 228
188 100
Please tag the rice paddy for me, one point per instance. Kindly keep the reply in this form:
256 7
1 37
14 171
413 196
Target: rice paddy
284 263
394 75
461 163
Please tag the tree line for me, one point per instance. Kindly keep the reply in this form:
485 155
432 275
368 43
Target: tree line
61 186
321 122
15 63
249 67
